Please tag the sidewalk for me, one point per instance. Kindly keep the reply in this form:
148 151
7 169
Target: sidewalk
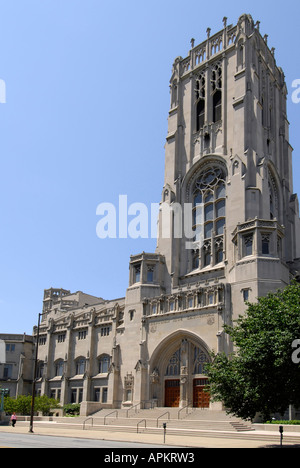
173 440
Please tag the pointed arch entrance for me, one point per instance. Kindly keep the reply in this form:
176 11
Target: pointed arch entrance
177 371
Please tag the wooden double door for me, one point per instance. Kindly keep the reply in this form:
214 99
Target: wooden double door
201 397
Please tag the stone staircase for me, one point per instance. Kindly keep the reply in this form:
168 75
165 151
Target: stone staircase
191 423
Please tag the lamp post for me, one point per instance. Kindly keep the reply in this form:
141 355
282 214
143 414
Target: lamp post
34 374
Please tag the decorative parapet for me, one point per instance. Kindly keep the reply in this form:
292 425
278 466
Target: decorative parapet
214 45
200 298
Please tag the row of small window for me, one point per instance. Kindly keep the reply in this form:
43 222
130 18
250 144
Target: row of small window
104 331
210 254
191 302
76 394
248 245
82 335
103 366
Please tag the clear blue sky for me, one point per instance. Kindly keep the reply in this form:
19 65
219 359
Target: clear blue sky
86 120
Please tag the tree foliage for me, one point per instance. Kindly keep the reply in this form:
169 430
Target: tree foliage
260 376
22 405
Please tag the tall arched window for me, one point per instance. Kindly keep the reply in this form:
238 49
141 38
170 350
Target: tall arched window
80 366
174 364
216 90
104 364
200 359
209 217
59 368
200 102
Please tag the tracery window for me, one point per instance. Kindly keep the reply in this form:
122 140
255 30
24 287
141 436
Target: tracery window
265 244
200 359
208 96
174 364
209 216
248 245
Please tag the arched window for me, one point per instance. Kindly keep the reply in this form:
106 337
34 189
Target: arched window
200 102
216 88
174 364
200 359
80 366
59 368
104 364
209 217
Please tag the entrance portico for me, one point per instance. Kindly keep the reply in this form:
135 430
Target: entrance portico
177 371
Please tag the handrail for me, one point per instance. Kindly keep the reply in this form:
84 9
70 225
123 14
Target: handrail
181 409
137 426
87 420
131 407
113 412
167 412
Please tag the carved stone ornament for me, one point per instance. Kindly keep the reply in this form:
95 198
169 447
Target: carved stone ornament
154 377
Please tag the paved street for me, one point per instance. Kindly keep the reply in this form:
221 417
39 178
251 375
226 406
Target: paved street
43 441
53 436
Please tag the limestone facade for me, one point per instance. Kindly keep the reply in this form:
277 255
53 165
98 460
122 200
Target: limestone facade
16 368
228 165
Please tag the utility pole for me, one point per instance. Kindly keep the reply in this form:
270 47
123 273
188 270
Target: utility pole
35 374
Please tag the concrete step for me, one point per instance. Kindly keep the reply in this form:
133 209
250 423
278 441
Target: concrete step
252 435
212 421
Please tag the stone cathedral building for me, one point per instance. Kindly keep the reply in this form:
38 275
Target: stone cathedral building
228 158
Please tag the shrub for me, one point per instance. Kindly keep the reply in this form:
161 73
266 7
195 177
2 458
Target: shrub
291 423
72 409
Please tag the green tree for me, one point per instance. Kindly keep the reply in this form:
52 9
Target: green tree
260 376
22 405
10 405
45 404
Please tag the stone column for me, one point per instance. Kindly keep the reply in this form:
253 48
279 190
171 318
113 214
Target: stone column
184 366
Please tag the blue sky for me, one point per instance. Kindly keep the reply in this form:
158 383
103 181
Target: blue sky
85 120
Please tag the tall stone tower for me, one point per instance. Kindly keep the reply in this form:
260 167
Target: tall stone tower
228 156
229 228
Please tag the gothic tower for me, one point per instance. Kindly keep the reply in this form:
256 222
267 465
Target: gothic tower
229 232
228 157
229 229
